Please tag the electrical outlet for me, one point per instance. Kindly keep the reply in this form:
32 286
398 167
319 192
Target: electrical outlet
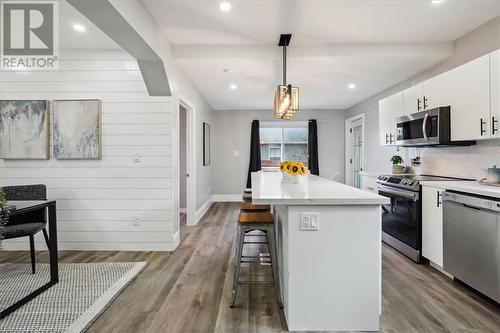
136 220
137 157
309 221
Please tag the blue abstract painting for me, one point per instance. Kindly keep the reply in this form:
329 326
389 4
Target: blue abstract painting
77 129
24 129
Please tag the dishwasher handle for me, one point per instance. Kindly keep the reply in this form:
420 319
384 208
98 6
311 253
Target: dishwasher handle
472 201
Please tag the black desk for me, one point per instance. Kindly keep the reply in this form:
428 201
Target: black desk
23 207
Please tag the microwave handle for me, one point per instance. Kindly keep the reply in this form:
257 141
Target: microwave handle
424 126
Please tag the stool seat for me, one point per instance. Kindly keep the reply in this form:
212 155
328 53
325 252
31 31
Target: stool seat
248 206
255 218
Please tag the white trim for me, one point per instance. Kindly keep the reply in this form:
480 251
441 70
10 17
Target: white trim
203 209
176 238
348 146
283 123
105 300
440 269
191 157
227 198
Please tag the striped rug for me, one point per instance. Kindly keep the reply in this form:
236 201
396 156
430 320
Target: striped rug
82 294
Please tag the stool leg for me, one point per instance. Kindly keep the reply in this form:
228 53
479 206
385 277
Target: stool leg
237 261
271 241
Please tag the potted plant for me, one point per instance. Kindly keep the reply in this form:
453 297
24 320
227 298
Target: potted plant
397 168
4 214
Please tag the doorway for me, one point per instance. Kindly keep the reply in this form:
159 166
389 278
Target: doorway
183 168
354 150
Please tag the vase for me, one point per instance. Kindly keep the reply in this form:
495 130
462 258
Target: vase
397 169
288 178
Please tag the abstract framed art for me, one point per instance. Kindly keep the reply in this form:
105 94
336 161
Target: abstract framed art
77 129
206 144
24 132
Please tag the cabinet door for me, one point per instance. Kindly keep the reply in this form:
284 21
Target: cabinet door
390 109
470 100
495 93
413 99
437 91
369 184
432 224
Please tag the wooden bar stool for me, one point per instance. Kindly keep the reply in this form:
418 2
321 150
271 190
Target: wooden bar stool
252 221
251 208
247 197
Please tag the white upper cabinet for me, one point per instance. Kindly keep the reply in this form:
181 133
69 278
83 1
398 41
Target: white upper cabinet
390 109
470 100
495 93
436 92
413 99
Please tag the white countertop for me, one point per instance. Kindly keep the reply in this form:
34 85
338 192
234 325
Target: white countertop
267 188
467 186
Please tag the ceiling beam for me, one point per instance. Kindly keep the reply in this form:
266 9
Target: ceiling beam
107 18
441 50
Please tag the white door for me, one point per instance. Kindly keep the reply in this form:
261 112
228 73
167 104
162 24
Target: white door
437 91
470 100
432 224
354 150
413 99
495 93
390 108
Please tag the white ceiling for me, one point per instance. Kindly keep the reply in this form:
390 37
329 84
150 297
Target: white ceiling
207 40
70 39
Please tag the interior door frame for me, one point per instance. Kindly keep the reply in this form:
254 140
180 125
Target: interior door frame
191 161
348 146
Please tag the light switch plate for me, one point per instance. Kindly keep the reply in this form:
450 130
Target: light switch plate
309 221
236 153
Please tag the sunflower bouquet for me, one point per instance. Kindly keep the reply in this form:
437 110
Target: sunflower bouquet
290 170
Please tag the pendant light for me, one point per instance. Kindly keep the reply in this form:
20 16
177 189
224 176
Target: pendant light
286 98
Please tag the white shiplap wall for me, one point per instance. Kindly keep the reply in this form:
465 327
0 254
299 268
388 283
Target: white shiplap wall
97 200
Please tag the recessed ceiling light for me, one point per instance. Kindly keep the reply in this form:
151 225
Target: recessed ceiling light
436 1
79 27
351 86
233 87
227 70
225 6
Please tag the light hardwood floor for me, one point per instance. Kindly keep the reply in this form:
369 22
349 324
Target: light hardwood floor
188 290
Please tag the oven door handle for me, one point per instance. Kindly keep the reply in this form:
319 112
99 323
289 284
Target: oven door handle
402 193
424 127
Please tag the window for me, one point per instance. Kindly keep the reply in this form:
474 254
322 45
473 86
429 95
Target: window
283 144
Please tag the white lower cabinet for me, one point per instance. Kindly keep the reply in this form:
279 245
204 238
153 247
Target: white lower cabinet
432 224
369 183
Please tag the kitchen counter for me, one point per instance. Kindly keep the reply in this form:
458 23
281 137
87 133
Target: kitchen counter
466 186
267 188
331 276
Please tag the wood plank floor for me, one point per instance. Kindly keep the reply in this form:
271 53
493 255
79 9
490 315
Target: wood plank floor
188 290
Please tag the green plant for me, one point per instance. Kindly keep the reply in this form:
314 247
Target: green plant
4 213
396 160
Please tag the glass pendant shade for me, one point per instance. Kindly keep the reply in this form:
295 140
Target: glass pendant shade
286 101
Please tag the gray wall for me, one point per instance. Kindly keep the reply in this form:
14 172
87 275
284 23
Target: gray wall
231 132
476 43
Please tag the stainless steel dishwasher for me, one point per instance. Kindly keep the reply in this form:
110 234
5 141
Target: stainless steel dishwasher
471 241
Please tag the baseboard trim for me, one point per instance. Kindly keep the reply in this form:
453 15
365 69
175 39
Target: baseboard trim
226 198
203 210
176 239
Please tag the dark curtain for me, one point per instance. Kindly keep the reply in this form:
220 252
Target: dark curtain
313 147
254 164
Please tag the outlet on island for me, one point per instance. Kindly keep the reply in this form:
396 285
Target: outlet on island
136 220
309 221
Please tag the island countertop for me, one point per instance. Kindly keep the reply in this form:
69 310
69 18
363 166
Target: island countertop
267 188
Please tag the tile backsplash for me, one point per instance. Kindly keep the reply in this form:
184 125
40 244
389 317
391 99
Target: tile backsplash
461 162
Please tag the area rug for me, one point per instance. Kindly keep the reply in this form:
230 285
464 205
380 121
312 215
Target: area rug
84 291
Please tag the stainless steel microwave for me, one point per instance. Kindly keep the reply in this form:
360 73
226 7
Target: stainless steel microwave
427 128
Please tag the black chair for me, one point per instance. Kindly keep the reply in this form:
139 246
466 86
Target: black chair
27 224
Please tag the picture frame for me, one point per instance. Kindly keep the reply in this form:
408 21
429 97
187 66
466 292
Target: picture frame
206 144
77 130
24 129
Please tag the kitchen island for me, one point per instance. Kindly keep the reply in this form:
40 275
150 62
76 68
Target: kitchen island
330 263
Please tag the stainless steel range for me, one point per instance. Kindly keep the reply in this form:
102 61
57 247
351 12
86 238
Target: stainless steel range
402 218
